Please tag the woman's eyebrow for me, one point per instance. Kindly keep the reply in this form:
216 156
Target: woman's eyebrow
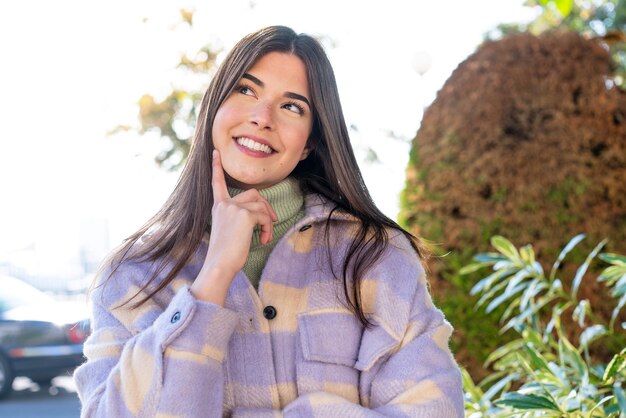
297 96
288 94
254 79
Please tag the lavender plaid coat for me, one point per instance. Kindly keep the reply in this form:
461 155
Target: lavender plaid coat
179 357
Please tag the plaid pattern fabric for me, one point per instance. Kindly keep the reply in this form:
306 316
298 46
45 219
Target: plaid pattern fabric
179 357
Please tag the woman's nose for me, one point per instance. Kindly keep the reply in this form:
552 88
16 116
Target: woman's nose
262 116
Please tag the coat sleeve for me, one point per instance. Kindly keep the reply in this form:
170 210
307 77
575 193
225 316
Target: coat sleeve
140 362
406 367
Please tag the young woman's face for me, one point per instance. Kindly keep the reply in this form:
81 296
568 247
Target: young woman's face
261 129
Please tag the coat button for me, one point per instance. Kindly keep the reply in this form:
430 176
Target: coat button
269 312
175 317
304 228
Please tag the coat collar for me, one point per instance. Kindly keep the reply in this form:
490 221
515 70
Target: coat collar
317 208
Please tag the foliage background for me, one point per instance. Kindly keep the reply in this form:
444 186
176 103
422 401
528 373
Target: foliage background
524 140
543 372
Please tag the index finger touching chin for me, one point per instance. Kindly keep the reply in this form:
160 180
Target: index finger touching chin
218 182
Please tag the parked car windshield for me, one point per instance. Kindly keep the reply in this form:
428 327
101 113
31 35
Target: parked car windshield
14 293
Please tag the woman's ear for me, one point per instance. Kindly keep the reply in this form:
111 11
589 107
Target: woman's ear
305 153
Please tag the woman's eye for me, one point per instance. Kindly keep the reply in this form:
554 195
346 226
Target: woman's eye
294 107
245 90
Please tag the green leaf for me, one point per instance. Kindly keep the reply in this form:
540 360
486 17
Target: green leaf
580 311
469 387
612 274
538 388
568 247
549 381
555 320
511 307
517 278
616 259
617 364
533 337
619 287
489 380
503 297
502 351
507 264
621 397
489 258
470 268
499 385
536 267
570 355
527 253
612 410
531 291
487 282
583 268
564 7
505 247
591 334
509 362
603 400
560 373
490 293
527 313
620 305
524 402
536 359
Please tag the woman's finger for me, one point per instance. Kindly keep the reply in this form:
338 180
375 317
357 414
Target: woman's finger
256 207
267 232
218 182
248 213
253 195
261 217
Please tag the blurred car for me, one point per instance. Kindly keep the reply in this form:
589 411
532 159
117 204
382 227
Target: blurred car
40 338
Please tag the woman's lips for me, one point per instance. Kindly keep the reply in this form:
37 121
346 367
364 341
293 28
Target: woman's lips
253 147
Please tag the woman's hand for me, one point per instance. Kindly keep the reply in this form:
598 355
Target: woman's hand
233 220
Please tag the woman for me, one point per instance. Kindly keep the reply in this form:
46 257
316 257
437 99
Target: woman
268 284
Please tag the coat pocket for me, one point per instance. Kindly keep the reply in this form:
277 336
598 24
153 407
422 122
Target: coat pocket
328 350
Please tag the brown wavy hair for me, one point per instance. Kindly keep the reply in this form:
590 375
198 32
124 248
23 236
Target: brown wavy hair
330 170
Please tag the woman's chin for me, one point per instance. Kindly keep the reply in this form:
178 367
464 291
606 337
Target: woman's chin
245 182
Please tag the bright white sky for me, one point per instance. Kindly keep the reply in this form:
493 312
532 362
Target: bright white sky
73 69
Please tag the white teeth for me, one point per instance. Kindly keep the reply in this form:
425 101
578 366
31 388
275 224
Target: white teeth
253 145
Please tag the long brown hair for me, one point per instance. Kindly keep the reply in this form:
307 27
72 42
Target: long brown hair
330 170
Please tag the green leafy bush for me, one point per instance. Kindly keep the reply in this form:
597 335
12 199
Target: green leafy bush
507 121
543 372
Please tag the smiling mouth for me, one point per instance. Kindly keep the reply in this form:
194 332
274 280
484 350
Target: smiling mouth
253 145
